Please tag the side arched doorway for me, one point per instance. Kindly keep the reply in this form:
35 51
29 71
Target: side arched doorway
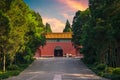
58 51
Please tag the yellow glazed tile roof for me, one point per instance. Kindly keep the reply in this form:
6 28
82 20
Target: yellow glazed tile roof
63 35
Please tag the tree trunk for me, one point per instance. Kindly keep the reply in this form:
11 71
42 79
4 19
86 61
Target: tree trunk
118 57
4 62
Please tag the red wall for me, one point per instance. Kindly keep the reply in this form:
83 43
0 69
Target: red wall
48 49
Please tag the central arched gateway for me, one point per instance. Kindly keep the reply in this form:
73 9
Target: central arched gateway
58 45
58 51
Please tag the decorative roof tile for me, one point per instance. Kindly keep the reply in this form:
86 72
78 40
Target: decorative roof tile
64 35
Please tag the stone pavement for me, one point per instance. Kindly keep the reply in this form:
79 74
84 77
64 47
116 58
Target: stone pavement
57 69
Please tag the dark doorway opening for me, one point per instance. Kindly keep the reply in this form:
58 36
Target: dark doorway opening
58 52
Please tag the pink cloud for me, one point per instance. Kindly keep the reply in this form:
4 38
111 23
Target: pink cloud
56 25
75 4
67 7
68 16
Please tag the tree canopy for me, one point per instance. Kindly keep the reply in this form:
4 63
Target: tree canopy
48 28
97 29
79 20
21 32
67 27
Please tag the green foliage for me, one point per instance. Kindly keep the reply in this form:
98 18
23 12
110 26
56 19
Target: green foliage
4 42
28 57
9 74
21 32
12 67
5 5
48 28
116 71
67 27
4 25
101 67
79 20
110 70
97 29
104 71
101 32
115 77
19 58
90 59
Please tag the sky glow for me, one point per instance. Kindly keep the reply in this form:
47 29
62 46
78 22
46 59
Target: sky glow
56 12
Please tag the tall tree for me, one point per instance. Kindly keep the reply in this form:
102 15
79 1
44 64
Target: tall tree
67 27
21 31
4 41
48 28
79 20
5 5
102 18
100 33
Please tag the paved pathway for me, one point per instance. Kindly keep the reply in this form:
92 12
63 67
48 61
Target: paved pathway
57 69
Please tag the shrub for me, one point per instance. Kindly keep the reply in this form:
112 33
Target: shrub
28 59
107 75
13 67
116 71
89 60
115 77
100 73
115 74
3 76
101 67
110 70
8 74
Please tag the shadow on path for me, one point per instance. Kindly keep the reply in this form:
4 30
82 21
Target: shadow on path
57 69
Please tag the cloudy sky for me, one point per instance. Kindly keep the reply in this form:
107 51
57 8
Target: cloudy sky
56 12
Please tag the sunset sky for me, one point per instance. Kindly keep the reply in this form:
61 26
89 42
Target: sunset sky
56 12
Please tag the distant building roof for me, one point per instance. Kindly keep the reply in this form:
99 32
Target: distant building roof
64 35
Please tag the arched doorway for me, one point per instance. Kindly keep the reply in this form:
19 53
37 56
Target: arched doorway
58 51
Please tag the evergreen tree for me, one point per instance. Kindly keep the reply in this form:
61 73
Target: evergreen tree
67 27
104 29
98 32
48 28
79 20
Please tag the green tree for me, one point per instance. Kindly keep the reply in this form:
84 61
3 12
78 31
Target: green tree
79 20
4 41
100 33
48 28
22 32
5 5
17 16
67 27
102 17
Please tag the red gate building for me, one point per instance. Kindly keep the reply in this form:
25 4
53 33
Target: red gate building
58 45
